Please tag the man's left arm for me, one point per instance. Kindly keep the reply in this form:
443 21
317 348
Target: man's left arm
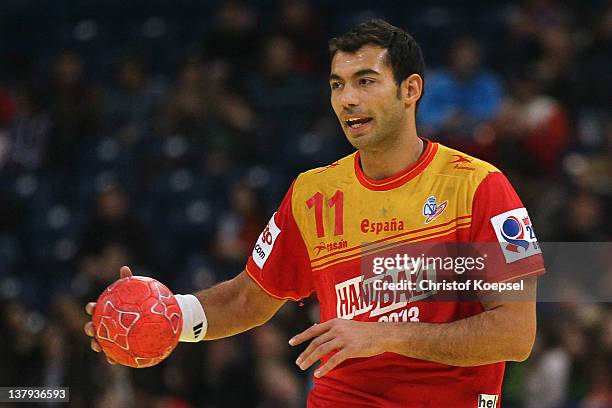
504 331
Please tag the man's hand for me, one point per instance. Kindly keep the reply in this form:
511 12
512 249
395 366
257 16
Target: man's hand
124 272
350 339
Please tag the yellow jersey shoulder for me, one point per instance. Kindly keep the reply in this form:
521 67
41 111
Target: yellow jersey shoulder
333 175
454 163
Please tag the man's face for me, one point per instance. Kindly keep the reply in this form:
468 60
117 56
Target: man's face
364 97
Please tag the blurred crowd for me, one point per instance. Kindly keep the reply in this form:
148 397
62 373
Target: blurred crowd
163 135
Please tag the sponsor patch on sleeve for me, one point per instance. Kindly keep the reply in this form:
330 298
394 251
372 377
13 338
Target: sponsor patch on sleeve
515 234
265 243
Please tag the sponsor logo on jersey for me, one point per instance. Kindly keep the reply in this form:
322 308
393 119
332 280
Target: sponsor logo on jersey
462 159
487 400
376 227
358 295
330 246
265 243
515 234
431 209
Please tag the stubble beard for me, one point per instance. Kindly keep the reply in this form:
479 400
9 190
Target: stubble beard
381 139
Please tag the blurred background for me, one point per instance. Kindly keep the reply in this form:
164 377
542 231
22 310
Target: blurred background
164 134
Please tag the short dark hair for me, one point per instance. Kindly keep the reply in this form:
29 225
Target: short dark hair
404 55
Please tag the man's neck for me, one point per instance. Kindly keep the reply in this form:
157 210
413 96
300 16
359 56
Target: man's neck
384 163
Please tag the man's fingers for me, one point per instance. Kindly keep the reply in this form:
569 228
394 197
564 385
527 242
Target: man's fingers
316 342
89 308
309 333
319 352
89 330
331 363
95 346
125 271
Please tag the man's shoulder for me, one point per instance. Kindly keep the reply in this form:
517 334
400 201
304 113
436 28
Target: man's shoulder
341 170
455 163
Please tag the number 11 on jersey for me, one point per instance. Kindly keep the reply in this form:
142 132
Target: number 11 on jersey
337 203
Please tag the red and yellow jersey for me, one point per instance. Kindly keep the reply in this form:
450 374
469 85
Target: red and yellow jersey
332 217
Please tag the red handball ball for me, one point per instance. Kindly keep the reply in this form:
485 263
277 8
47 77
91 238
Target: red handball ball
137 321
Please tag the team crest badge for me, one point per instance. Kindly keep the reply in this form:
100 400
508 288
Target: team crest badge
431 209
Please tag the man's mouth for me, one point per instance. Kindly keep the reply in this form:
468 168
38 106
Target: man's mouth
356 122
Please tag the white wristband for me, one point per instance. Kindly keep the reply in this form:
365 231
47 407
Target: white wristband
194 318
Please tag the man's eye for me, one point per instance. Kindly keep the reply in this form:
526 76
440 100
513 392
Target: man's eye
335 85
365 81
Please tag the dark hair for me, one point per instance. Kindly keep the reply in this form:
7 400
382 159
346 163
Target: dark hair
404 55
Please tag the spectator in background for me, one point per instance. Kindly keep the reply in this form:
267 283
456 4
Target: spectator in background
594 61
299 22
75 109
133 101
187 107
548 373
20 346
7 108
65 352
234 129
534 128
600 393
240 227
557 68
592 170
114 232
279 92
7 113
584 219
234 36
95 269
55 354
279 385
228 365
29 135
526 21
12 217
458 98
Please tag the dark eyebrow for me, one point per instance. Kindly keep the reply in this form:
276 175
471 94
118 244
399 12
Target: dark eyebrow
367 71
360 73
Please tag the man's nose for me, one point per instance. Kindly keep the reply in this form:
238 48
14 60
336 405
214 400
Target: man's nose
349 97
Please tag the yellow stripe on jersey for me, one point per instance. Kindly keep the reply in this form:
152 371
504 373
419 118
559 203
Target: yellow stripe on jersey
381 248
383 244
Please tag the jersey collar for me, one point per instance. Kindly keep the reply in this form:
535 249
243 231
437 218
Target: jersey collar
400 178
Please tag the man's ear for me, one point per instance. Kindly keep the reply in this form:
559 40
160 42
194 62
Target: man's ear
412 89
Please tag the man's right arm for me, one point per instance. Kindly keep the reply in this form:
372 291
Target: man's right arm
235 306
231 307
279 269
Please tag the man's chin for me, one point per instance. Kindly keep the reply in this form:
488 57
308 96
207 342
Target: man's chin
359 141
